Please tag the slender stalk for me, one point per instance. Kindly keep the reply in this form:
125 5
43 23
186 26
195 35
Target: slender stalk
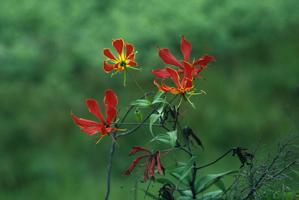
109 168
112 150
134 124
213 162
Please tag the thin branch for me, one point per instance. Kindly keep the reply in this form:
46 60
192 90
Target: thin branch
134 124
109 167
213 162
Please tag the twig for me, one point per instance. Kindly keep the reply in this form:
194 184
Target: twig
213 162
109 167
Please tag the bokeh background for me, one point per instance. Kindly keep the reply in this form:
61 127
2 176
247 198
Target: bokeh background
51 60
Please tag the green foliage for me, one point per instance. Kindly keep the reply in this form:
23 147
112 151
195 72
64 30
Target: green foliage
50 62
169 138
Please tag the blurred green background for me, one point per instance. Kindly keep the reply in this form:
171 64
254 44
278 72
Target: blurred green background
51 60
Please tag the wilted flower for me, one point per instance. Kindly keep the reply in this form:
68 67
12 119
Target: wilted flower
152 161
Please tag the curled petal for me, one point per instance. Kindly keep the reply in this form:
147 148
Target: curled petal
110 98
159 165
145 177
161 73
107 67
204 60
133 165
168 58
108 54
196 71
129 49
165 88
118 45
137 149
94 108
152 166
186 48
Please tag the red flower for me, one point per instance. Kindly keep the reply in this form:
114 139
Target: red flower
125 56
152 161
197 65
181 86
104 125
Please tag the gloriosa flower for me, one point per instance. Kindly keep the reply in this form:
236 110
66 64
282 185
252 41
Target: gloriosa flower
182 85
152 161
104 125
125 56
197 65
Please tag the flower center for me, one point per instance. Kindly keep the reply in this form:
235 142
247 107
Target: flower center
123 63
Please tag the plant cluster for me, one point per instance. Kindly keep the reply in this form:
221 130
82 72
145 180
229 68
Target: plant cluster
177 82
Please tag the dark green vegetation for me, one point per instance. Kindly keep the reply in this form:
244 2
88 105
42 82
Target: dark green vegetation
50 61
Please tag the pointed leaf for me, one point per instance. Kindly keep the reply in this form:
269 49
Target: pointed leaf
153 119
143 103
207 181
211 195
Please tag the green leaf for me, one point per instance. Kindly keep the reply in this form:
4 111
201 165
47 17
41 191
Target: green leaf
220 184
143 103
138 115
168 138
172 137
184 198
186 193
214 195
207 181
153 119
158 98
147 193
182 171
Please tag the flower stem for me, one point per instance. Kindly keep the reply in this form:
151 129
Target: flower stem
109 167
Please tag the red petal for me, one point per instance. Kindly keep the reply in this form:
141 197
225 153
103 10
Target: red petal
110 98
91 130
129 49
132 63
133 165
159 165
145 177
204 60
94 108
157 84
163 87
84 122
108 54
118 45
137 149
131 57
174 75
107 67
168 58
186 48
188 72
110 114
152 166
196 71
161 73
